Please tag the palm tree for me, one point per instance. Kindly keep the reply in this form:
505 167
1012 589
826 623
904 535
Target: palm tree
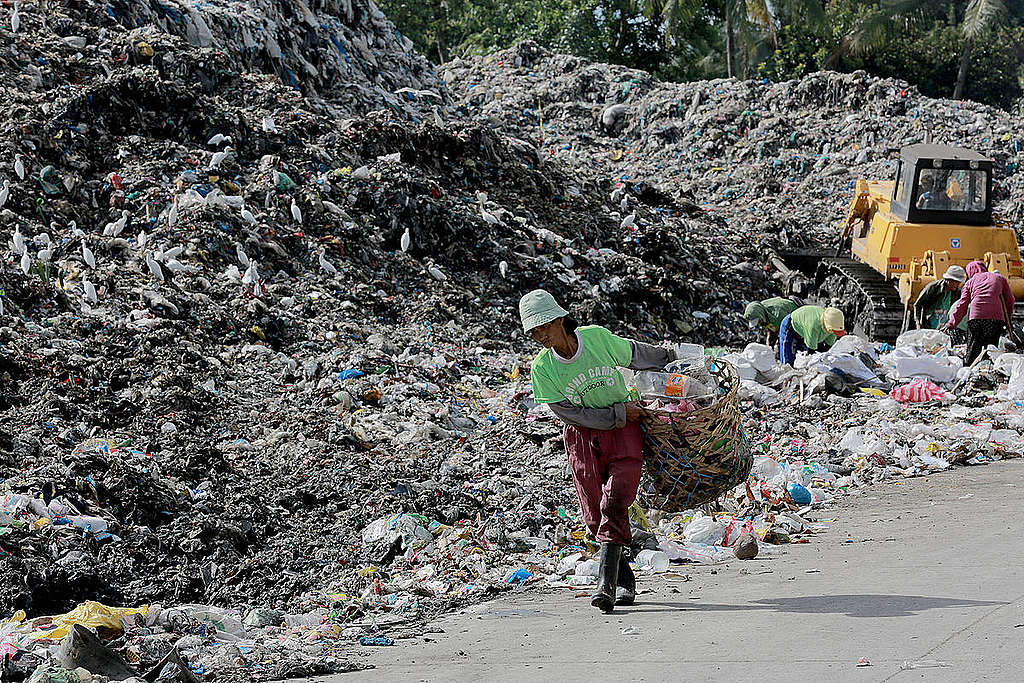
895 18
751 21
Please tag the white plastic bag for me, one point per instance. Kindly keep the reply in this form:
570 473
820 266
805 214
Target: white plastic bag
758 393
930 340
704 530
763 358
939 369
699 554
1015 388
853 345
851 366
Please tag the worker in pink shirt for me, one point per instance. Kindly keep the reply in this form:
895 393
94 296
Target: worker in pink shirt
988 301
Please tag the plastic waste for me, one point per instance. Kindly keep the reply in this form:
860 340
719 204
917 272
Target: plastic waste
765 468
932 341
799 494
652 561
694 552
92 615
940 369
917 391
688 352
1015 387
674 385
519 576
704 530
376 641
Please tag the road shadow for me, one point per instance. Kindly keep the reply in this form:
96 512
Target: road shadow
866 606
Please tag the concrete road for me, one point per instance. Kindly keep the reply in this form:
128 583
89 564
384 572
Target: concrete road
921 578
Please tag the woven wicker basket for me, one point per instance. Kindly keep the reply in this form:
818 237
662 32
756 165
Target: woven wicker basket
693 458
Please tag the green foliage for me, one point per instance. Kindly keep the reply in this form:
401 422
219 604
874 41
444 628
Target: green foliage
921 41
931 61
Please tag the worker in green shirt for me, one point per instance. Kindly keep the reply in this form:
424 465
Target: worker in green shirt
931 310
577 375
770 314
809 328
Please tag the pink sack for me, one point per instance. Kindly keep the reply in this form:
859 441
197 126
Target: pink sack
917 391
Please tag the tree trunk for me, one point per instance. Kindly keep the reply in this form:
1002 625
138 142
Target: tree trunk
620 38
728 42
965 62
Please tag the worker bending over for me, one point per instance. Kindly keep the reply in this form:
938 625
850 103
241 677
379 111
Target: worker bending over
769 313
988 301
577 375
809 328
931 310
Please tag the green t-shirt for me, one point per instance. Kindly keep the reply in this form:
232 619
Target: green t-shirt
591 379
806 322
777 309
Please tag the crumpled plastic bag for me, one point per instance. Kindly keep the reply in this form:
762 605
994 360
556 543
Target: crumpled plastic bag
846 365
1015 387
91 615
7 635
227 627
853 345
407 525
917 391
758 393
931 341
1005 362
936 368
704 530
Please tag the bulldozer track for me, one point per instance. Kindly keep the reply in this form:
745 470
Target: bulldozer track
870 303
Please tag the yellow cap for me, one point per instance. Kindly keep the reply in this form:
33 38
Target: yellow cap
832 320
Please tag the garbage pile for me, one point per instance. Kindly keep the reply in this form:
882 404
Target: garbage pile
263 396
772 159
862 414
238 329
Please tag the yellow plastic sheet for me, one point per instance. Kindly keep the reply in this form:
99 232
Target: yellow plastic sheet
90 614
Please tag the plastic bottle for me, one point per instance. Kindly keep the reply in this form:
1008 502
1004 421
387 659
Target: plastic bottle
666 384
652 560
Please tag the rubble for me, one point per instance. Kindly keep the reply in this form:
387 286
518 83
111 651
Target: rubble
263 397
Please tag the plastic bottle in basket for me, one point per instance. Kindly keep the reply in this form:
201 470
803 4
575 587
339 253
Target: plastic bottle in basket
667 384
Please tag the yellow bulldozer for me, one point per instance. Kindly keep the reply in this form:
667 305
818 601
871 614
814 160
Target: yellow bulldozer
902 234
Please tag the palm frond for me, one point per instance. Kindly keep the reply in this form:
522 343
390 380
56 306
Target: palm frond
893 19
760 14
677 12
982 15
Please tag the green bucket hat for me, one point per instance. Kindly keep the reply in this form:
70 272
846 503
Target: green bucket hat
539 308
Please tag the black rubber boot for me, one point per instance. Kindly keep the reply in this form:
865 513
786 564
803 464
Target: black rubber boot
607 577
626 594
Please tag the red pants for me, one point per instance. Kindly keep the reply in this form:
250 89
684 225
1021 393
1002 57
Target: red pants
606 468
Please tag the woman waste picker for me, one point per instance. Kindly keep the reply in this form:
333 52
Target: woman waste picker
577 375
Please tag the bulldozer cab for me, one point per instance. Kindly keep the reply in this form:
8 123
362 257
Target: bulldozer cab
942 184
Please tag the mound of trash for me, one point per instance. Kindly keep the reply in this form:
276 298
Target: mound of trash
773 159
251 305
263 392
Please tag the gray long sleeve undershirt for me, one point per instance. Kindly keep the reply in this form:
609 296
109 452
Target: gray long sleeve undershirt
643 357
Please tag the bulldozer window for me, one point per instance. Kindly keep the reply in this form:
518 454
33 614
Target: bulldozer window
951 190
900 185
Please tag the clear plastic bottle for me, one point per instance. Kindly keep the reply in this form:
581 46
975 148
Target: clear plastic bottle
665 384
